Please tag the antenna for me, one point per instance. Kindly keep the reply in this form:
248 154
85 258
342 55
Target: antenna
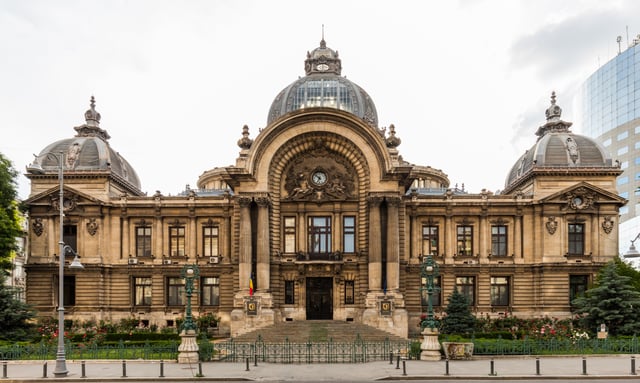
627 34
618 40
323 31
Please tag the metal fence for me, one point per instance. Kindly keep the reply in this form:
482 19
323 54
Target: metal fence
555 346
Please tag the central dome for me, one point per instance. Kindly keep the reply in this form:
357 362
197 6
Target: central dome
324 87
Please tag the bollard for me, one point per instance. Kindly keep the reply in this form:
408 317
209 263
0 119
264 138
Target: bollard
44 370
200 369
493 372
84 371
404 368
537 366
4 369
446 367
584 366
161 368
633 365
124 368
255 360
398 362
247 364
391 357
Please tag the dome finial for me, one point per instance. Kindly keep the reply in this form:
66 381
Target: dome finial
92 116
554 123
554 112
323 44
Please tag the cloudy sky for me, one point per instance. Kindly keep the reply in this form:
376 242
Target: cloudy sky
465 83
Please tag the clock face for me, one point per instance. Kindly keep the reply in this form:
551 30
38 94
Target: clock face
577 201
322 67
319 178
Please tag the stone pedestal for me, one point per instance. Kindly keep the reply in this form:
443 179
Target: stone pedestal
188 349
430 346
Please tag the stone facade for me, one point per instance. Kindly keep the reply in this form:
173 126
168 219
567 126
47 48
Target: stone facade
323 219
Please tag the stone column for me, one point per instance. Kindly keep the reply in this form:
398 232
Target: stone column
375 245
393 245
244 264
263 250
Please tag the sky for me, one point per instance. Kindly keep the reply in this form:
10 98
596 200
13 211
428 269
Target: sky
465 83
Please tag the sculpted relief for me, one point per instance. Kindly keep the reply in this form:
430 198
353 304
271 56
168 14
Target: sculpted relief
319 177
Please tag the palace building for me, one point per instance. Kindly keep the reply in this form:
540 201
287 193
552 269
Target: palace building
320 218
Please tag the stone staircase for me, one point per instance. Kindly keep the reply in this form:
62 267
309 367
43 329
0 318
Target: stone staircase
318 331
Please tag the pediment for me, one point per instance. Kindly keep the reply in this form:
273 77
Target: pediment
583 196
72 199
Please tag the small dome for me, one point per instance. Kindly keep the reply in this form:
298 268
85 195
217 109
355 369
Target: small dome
557 147
88 151
324 87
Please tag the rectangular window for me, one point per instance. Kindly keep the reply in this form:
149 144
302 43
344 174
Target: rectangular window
576 239
210 241
467 287
289 292
349 234
349 292
499 291
289 234
175 291
70 236
578 284
210 294
176 241
435 295
498 240
142 291
143 241
430 240
69 290
319 235
465 240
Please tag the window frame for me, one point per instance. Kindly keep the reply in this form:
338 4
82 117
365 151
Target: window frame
574 287
289 292
319 236
177 241
175 291
500 290
464 240
210 290
349 292
142 291
468 288
349 234
430 238
499 240
144 234
289 234
576 238
210 240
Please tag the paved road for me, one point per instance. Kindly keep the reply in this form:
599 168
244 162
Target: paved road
596 367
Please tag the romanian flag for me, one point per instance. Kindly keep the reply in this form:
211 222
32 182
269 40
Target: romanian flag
250 286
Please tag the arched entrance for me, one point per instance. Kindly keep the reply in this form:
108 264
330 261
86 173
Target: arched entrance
319 298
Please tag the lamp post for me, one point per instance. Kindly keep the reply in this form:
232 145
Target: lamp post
632 252
430 347
61 363
188 349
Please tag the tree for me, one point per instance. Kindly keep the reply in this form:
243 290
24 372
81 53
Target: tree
459 319
612 301
9 215
15 315
625 268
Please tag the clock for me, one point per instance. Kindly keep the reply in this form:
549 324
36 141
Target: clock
319 178
577 202
322 67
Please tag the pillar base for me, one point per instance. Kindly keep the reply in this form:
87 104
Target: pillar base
430 346
188 351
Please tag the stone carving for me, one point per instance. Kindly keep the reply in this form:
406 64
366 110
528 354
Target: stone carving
551 225
72 155
69 203
580 199
92 226
607 225
38 226
319 176
572 149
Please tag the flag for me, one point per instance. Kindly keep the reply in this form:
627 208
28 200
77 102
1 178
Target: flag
250 286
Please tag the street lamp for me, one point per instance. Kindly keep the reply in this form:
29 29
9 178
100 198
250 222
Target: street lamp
632 252
188 349
429 271
35 168
189 273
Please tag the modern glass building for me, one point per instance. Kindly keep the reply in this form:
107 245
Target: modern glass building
609 110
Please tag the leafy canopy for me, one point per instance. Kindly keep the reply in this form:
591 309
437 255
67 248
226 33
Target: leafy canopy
10 228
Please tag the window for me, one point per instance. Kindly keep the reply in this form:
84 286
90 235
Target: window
69 290
622 180
143 241
210 294
467 287
349 292
210 241
465 240
499 291
175 291
435 295
319 235
623 135
176 241
70 236
576 238
498 240
289 234
430 240
349 234
606 142
623 150
577 286
289 292
142 291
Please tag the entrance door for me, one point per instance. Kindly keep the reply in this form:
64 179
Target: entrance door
319 298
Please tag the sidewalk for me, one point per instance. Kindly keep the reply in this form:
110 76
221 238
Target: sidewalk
480 367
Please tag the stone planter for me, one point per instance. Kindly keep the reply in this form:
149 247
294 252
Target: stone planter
457 350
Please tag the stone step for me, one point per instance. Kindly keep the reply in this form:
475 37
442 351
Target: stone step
318 331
